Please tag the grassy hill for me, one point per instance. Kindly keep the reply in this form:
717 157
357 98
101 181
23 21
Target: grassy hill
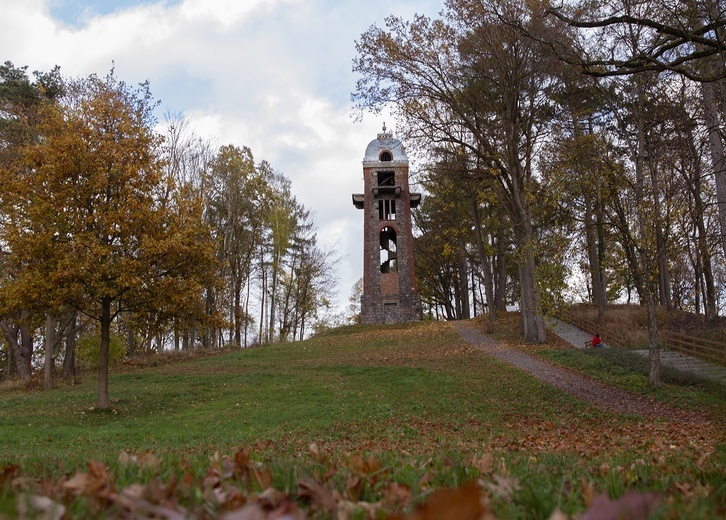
362 421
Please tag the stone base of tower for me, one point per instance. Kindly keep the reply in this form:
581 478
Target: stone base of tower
390 308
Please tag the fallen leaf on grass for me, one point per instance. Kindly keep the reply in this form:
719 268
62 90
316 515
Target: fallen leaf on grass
397 497
483 464
251 512
631 506
134 500
558 515
271 499
689 490
353 488
465 503
318 495
91 483
368 467
588 491
261 476
36 506
314 451
8 473
146 460
504 487
346 508
271 504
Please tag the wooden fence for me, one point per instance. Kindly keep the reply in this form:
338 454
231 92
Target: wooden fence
705 349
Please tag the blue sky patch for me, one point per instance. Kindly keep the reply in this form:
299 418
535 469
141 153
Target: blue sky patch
75 13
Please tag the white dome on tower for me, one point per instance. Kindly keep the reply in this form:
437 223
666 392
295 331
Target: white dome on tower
385 148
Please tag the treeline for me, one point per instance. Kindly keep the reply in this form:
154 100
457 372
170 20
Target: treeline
580 140
116 238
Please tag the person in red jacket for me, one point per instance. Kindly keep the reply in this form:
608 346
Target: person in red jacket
596 341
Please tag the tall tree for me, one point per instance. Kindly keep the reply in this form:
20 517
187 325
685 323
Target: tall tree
683 37
239 196
21 100
90 220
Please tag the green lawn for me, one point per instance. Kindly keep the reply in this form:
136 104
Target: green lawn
355 411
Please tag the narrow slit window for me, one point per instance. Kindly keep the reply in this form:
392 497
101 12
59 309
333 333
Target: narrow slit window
387 209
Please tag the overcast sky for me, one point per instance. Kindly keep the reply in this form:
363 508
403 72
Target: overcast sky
273 75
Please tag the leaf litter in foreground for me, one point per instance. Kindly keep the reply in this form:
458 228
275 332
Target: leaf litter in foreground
228 490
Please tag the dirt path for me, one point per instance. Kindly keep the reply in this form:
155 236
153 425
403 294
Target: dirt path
582 387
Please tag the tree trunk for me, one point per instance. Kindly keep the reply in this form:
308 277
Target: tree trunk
718 159
69 359
103 400
209 331
599 295
486 265
653 343
50 325
500 292
22 365
463 292
238 314
532 318
185 339
177 336
645 249
698 212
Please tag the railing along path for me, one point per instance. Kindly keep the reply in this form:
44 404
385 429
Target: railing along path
704 349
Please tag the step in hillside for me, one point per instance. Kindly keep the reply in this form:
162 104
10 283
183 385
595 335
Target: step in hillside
581 339
689 364
574 336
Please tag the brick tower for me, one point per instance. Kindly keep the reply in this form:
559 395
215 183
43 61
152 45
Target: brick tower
389 282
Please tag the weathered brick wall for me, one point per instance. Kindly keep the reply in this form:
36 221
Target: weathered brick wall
389 283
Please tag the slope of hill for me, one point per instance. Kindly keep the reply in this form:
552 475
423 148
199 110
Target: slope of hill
358 421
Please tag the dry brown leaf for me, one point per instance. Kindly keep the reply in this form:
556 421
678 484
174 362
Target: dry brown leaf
40 507
353 488
483 464
97 470
558 515
588 491
504 487
262 477
397 496
8 473
631 506
126 459
271 499
250 512
318 495
242 459
346 507
313 451
212 479
465 503
79 484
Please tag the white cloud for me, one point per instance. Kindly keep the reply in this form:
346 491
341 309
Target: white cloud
225 12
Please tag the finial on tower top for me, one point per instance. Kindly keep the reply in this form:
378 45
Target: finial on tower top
384 127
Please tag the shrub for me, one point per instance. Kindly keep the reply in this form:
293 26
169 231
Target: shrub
88 349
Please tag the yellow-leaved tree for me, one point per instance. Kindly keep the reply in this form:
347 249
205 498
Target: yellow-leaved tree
92 221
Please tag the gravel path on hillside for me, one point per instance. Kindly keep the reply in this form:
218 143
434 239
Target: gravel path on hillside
582 387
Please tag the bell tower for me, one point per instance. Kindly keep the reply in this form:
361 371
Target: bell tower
389 282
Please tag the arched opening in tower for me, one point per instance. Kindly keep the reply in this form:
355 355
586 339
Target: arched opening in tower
389 261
